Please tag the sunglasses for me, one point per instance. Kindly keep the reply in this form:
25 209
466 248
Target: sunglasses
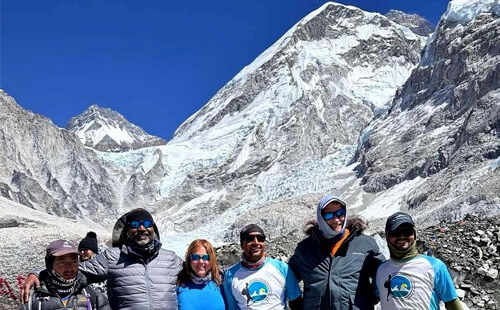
330 215
401 232
137 224
250 238
84 250
197 257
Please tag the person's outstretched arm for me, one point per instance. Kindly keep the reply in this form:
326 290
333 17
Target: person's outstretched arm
96 269
30 282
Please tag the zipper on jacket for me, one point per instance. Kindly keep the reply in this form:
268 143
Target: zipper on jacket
148 283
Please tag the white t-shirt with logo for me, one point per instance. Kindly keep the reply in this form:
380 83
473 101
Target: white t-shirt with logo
418 283
267 287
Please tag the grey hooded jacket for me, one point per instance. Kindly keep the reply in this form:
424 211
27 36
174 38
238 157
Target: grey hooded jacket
341 282
133 281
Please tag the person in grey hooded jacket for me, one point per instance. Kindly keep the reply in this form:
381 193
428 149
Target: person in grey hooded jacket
336 262
139 273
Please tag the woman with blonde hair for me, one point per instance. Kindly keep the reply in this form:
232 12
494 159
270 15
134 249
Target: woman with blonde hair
199 285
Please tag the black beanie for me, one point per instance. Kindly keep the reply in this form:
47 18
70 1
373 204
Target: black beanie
89 242
250 228
139 214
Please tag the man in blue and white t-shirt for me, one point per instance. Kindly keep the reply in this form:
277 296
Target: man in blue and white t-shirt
259 282
409 280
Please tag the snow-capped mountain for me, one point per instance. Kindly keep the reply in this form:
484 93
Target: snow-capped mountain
47 168
285 128
106 130
341 103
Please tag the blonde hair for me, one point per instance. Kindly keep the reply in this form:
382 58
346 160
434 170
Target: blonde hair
187 271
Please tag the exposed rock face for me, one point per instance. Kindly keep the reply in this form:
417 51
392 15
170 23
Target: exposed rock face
47 168
108 131
443 125
414 22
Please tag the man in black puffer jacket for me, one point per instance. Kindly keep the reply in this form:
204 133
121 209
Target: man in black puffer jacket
139 273
337 263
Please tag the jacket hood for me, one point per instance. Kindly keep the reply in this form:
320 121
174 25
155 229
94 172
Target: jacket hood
119 237
325 229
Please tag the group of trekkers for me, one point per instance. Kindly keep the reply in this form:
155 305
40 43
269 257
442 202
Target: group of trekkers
339 265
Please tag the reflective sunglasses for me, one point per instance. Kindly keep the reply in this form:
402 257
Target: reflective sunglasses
330 215
406 232
145 223
197 257
250 238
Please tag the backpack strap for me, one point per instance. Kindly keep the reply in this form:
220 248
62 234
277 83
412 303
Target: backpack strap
88 303
91 296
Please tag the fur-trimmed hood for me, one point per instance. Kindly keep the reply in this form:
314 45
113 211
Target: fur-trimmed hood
119 238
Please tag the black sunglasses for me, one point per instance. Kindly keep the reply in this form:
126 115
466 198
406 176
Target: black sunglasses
406 232
197 257
250 238
330 215
137 224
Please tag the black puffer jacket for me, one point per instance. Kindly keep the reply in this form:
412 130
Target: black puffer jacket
83 297
341 282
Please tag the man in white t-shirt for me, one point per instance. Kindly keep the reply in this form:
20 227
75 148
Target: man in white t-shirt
409 280
260 282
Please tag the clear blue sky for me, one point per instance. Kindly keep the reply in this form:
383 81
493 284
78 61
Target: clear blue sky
155 61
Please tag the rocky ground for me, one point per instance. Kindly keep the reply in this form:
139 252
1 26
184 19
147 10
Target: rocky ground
469 247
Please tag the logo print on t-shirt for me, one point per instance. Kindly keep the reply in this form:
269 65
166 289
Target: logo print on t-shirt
258 291
400 286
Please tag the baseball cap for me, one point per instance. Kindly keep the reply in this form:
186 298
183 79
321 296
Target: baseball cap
398 218
61 247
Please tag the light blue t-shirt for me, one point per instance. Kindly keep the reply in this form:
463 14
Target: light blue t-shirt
267 287
419 283
199 296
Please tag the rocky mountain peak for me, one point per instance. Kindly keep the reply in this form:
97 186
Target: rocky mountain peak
106 130
414 22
